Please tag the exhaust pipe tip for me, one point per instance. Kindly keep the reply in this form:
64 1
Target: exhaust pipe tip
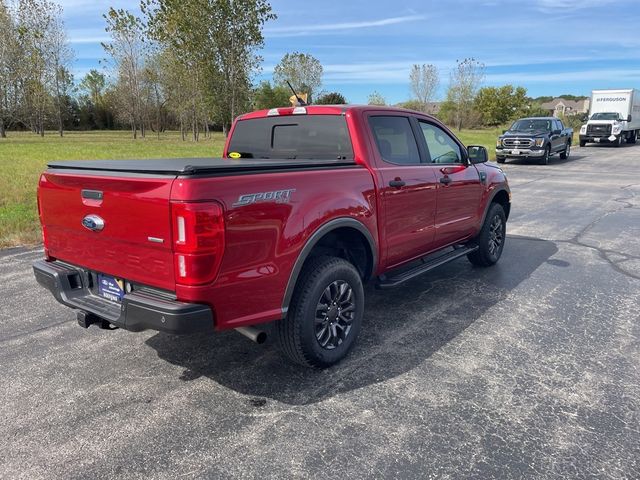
254 334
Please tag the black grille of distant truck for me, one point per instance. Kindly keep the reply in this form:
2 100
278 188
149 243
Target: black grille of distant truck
599 129
517 142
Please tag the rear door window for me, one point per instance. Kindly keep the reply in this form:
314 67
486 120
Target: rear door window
395 140
307 137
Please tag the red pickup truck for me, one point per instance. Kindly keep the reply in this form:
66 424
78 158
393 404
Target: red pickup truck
307 204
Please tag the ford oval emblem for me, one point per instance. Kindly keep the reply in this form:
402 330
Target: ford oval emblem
93 222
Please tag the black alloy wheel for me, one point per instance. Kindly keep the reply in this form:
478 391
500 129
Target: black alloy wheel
496 235
335 312
547 154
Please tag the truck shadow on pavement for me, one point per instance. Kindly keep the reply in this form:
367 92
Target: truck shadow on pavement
555 160
402 328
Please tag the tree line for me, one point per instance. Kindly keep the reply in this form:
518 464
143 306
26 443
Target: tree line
467 103
189 65
184 64
35 58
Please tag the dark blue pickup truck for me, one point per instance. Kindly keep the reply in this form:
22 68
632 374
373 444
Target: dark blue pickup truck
538 138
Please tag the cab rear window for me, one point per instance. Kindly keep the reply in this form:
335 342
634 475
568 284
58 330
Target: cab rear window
307 137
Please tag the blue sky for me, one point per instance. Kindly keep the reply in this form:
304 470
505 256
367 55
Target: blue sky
548 46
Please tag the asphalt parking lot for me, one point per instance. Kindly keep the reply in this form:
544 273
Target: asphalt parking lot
527 369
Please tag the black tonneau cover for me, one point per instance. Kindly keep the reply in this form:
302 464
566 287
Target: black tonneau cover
197 166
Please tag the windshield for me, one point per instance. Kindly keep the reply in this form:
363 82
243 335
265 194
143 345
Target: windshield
605 116
530 125
307 137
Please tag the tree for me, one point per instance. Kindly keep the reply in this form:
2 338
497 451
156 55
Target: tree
94 83
94 109
424 80
411 105
267 96
35 19
59 57
214 41
126 52
464 83
9 53
331 98
498 105
302 70
376 99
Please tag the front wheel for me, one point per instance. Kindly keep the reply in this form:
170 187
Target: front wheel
583 143
618 143
325 314
500 160
491 238
567 151
547 153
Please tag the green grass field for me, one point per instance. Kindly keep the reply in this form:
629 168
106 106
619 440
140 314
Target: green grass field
23 156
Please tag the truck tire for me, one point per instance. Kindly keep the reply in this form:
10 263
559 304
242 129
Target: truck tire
633 137
500 160
544 160
325 314
618 143
567 151
491 238
583 143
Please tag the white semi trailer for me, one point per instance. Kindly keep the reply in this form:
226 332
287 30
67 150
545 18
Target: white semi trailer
614 117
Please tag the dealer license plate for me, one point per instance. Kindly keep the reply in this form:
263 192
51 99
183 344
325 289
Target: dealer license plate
110 288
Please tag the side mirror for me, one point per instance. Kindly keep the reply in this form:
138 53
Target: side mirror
477 154
629 118
556 132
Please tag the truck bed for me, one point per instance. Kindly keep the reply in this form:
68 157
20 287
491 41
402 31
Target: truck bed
198 166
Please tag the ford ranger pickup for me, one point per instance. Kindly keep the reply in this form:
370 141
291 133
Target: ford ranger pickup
307 205
537 138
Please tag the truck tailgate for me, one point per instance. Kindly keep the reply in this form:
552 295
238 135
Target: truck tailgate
135 243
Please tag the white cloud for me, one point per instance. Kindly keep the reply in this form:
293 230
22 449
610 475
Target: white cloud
618 76
558 6
301 30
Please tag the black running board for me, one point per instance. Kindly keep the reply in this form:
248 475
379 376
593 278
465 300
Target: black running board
392 281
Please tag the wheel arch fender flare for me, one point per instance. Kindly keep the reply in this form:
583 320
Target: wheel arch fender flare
313 240
490 200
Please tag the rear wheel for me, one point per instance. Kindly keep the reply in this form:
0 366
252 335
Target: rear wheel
491 238
325 314
567 151
633 137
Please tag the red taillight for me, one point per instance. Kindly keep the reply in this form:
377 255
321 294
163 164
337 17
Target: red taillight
43 229
198 241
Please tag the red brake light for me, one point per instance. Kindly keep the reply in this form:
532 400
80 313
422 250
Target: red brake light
43 229
198 241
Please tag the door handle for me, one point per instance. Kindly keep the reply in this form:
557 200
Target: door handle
446 180
397 183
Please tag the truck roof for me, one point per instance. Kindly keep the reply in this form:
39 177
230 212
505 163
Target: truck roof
323 110
537 118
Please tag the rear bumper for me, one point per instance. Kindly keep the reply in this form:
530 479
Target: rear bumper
138 311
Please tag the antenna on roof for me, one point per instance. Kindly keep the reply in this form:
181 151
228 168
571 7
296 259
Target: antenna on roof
301 102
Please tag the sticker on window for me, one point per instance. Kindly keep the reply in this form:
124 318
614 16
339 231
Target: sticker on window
235 155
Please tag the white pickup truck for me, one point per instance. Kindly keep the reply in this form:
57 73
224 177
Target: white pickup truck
614 117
